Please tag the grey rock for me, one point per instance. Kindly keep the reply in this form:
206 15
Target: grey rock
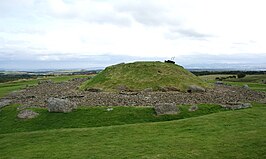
122 88
93 90
166 108
236 105
128 93
5 102
60 105
148 90
246 86
194 88
27 114
263 101
219 83
193 108
246 105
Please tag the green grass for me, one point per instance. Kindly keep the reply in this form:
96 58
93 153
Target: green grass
140 75
230 134
8 87
92 117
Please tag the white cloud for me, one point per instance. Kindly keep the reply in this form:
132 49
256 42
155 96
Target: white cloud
150 28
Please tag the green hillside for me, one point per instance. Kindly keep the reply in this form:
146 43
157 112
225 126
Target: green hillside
142 75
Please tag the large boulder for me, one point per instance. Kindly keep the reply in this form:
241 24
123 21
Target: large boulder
194 88
236 105
246 86
5 102
27 114
165 108
219 82
60 105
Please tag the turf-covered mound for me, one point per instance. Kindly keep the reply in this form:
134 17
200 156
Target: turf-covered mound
138 76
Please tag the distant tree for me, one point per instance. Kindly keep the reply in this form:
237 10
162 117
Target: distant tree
241 75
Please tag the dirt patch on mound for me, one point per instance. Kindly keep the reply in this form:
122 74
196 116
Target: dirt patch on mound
220 94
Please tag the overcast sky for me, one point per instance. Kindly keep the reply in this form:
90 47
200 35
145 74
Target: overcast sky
112 31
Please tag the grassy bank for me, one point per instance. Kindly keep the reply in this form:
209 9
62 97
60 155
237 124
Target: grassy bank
93 117
229 134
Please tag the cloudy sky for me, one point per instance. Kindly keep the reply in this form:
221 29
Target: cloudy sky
96 33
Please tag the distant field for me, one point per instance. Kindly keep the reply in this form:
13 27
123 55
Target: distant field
253 81
8 87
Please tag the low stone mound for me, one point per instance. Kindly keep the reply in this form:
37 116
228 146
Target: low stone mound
60 105
27 114
165 108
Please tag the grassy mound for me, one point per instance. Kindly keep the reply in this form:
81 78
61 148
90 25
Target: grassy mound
142 75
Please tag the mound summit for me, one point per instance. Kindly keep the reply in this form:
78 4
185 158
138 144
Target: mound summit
139 76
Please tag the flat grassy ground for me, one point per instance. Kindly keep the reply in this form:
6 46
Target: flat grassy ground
253 81
228 134
8 87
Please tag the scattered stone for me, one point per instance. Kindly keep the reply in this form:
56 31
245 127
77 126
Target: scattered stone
27 114
217 94
93 90
162 89
109 109
219 82
45 82
263 101
237 106
246 86
122 88
194 88
148 90
60 105
5 102
26 107
165 108
128 93
193 108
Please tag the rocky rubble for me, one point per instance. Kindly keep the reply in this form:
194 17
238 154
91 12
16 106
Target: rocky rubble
220 94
